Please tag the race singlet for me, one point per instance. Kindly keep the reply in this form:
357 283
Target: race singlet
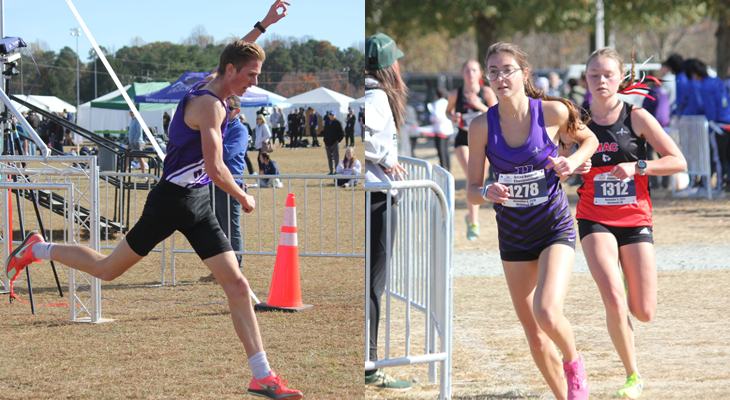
611 191
525 190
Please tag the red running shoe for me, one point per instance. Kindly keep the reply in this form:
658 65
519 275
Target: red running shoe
22 256
273 387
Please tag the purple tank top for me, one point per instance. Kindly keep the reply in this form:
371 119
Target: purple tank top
184 164
539 211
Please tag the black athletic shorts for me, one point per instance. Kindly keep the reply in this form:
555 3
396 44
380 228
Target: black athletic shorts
171 208
624 236
534 253
462 138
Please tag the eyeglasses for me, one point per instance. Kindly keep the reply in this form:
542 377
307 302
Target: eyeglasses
508 73
232 108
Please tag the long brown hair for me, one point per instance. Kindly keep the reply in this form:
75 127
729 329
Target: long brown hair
394 87
574 120
349 163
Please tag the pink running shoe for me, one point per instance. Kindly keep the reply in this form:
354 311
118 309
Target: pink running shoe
575 374
272 387
22 256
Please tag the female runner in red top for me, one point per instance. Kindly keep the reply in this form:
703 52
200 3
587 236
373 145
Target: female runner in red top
614 208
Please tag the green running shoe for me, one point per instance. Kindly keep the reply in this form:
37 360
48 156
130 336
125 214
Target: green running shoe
382 381
472 229
632 388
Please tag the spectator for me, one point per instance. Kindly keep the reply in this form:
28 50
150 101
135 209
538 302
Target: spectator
301 123
277 126
681 83
717 110
443 129
263 135
350 128
313 125
543 84
68 141
659 108
293 122
333 135
136 141
166 124
554 85
34 121
228 208
576 92
693 104
361 119
43 131
588 98
251 135
268 168
349 165
58 136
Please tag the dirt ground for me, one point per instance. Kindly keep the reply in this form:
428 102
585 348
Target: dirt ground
684 353
174 342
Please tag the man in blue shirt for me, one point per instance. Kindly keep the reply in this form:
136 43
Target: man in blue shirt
228 208
136 140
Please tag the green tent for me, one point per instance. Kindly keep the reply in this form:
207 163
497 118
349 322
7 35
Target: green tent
136 89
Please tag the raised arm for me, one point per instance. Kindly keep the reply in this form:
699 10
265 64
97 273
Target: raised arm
272 17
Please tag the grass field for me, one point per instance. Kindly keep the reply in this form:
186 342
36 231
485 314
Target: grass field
174 342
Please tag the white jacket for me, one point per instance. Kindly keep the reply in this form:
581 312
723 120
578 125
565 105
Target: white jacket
442 125
263 133
381 136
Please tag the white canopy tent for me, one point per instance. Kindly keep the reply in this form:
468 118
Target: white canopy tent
99 119
32 100
250 112
322 100
50 103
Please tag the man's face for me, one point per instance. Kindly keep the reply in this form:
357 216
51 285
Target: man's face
131 114
232 113
332 116
245 78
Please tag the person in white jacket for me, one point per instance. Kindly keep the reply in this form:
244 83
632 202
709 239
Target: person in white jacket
349 165
443 129
385 101
263 135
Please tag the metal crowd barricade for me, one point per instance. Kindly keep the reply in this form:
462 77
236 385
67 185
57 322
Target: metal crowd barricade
691 133
76 178
317 213
421 269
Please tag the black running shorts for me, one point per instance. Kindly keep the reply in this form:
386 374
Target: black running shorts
624 236
171 208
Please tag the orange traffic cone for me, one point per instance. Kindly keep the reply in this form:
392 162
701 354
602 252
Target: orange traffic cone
285 293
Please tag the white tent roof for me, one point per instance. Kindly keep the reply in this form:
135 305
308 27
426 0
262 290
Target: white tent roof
52 103
321 100
258 90
32 100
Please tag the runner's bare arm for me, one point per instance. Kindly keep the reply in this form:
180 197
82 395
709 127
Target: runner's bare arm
672 160
210 114
455 117
556 114
479 164
272 17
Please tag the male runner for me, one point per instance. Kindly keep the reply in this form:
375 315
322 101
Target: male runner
181 201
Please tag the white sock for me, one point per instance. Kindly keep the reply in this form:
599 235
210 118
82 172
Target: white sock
42 251
259 365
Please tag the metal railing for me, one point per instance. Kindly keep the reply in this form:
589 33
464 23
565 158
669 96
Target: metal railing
691 134
421 269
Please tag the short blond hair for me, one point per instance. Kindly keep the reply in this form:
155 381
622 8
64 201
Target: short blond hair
239 53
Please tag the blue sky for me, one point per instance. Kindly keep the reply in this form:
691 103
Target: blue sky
114 24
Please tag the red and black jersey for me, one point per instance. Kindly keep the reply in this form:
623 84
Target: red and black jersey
604 199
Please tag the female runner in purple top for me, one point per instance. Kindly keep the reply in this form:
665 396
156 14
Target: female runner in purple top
521 136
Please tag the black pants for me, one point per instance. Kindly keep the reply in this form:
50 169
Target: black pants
294 138
442 147
378 216
723 150
315 142
350 137
249 166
